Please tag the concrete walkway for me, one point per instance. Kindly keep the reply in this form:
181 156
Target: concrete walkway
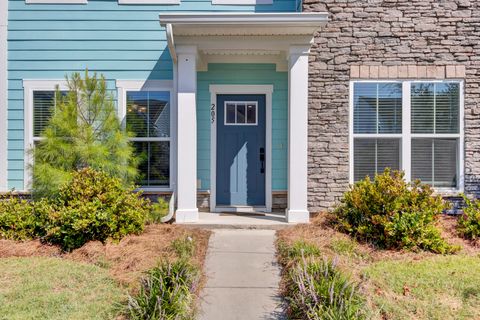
243 276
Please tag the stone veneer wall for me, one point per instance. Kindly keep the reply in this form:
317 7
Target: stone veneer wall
401 33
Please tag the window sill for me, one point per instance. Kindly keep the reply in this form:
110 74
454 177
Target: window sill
56 1
149 2
448 192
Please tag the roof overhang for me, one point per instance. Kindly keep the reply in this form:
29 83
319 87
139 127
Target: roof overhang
231 23
260 37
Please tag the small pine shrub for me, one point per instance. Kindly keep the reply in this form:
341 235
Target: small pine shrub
469 222
317 290
93 206
393 214
166 293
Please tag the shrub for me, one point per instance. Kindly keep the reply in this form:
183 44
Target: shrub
469 222
184 247
167 292
157 211
84 131
317 289
393 214
17 219
93 206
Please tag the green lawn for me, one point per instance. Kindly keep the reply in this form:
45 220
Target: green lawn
440 287
54 288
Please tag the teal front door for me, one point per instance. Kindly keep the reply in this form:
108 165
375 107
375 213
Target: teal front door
241 150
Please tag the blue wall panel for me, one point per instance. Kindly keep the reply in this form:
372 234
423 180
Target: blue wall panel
261 74
121 41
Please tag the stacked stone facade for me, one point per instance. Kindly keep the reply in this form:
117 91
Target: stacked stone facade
399 35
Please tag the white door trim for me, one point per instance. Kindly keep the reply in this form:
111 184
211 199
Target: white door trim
216 89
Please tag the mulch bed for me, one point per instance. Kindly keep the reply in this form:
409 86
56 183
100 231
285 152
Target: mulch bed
127 259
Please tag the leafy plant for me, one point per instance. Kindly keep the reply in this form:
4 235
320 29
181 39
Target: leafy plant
84 131
184 247
317 289
93 206
157 211
469 221
17 219
167 292
393 213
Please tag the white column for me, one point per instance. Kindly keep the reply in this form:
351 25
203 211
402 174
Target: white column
3 94
187 210
297 134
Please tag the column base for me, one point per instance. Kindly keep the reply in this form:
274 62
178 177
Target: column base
298 216
186 215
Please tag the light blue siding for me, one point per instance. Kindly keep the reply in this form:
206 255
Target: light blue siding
261 74
121 41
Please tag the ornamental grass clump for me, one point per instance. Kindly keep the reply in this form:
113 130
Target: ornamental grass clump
469 221
393 214
167 292
316 289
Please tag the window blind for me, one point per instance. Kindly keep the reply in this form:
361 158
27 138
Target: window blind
373 156
435 107
377 107
43 104
434 161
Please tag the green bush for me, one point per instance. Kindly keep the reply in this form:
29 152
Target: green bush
317 289
17 219
167 292
393 213
93 206
157 211
469 222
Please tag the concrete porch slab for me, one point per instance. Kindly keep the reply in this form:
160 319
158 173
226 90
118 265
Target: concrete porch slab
215 220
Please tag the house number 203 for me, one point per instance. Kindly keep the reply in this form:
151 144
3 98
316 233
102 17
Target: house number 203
212 112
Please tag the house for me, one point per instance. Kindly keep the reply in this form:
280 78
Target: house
257 104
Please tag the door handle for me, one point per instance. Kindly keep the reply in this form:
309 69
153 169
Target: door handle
262 160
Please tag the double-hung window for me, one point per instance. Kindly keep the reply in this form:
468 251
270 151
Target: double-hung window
414 126
145 109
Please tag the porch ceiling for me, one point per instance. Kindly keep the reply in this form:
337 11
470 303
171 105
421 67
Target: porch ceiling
241 37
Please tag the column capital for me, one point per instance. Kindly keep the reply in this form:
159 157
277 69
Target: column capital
186 49
299 50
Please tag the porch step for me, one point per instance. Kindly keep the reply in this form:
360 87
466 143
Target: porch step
261 221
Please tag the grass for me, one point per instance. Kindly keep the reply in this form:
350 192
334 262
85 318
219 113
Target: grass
54 288
394 284
441 287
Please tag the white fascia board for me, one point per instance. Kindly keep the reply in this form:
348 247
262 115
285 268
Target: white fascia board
282 19
56 1
148 1
242 2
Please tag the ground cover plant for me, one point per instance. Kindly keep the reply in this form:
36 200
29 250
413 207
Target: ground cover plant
394 284
392 213
469 221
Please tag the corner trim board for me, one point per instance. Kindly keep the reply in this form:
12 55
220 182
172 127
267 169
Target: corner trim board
3 96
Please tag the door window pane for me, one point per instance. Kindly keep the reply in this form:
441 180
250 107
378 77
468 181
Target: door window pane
251 113
230 113
241 113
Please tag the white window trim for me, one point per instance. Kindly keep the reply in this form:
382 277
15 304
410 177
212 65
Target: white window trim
241 2
239 123
56 1
148 1
151 85
406 135
29 86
